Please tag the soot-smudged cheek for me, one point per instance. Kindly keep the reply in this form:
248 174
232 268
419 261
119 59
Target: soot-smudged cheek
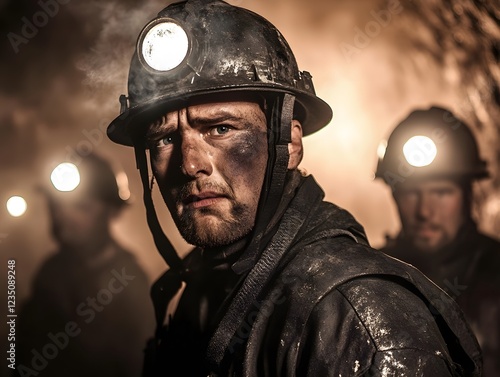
247 153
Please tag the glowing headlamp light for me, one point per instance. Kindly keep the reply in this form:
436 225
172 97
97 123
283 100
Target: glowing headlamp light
164 45
65 177
420 151
16 205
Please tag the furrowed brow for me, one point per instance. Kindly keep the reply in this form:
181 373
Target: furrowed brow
217 119
158 128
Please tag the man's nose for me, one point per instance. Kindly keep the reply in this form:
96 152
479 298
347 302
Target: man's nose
195 156
425 206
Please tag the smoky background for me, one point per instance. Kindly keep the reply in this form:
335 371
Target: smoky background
372 61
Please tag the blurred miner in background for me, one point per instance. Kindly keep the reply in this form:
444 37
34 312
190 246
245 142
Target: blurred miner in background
281 283
89 313
431 161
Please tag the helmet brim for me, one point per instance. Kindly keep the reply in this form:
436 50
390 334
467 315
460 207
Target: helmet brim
317 113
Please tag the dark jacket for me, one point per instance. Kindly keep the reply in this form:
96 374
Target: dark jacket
85 317
318 302
468 269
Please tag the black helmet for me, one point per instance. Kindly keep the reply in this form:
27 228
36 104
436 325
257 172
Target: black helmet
199 47
431 143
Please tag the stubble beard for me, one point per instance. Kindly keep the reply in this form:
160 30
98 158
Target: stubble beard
431 245
208 229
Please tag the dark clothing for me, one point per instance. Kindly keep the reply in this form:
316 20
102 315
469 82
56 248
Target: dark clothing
86 317
318 302
469 271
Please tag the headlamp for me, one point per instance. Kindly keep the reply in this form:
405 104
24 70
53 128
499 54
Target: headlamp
420 151
163 45
65 177
16 205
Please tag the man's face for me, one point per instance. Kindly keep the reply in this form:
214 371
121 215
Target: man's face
80 225
431 212
209 160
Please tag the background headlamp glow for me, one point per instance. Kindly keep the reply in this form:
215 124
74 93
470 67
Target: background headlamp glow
65 177
16 205
420 151
165 46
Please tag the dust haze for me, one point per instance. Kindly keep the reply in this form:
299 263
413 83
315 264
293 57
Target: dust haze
372 61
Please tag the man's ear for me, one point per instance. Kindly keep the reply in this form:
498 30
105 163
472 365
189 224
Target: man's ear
295 149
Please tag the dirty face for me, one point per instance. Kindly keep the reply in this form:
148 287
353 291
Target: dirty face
209 160
431 212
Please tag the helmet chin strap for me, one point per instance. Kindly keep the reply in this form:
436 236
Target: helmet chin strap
279 136
163 244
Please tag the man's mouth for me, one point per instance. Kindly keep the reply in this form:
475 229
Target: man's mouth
203 199
426 230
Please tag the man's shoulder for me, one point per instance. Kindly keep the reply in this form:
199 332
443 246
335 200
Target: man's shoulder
487 254
393 313
325 265
54 266
490 247
397 306
338 253
126 257
382 317
124 262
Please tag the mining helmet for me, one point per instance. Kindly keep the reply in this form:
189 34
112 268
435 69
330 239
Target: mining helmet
200 50
430 143
92 177
199 47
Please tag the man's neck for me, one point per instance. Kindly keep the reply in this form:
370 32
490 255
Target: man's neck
93 251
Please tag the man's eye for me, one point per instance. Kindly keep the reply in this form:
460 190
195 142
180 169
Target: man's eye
219 130
165 141
442 192
408 195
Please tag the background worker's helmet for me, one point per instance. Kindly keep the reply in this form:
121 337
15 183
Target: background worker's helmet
199 47
430 143
92 177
